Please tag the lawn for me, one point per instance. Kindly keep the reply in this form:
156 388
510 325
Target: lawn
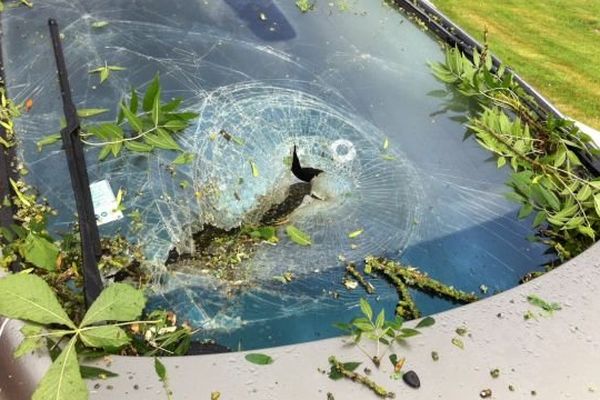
553 44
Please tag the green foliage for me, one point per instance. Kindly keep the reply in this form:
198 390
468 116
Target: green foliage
154 125
380 330
118 302
355 234
259 359
268 233
548 178
105 71
543 304
305 5
8 111
161 372
160 369
99 24
40 251
29 298
297 236
346 370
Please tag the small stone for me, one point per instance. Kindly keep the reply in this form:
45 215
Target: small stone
511 388
533 393
435 356
97 386
411 379
495 373
109 387
367 371
485 393
136 386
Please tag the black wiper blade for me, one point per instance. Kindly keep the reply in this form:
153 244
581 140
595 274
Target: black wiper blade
88 229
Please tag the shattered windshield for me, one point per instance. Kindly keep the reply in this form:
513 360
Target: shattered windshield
240 246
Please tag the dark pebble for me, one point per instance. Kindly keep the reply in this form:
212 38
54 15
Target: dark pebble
411 379
97 386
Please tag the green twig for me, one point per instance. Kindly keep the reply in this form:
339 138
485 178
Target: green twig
413 277
351 269
378 390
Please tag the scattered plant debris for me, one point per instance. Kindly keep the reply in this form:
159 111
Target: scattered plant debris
259 359
346 370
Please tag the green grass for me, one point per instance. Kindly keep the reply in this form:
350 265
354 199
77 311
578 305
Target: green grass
553 44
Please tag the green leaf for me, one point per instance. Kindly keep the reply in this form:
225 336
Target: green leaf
500 162
364 326
40 252
343 326
544 305
335 374
133 120
88 372
47 140
171 105
28 297
156 108
355 233
380 319
160 369
183 158
254 169
584 193
108 132
187 116
104 152
458 343
258 358
134 145
425 323
99 24
540 217
32 340
176 125
63 380
597 204
90 112
151 92
408 332
366 309
297 236
117 302
104 74
525 211
162 140
586 230
106 337
350 366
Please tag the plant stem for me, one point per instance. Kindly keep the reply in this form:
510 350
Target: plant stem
351 269
378 390
412 277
